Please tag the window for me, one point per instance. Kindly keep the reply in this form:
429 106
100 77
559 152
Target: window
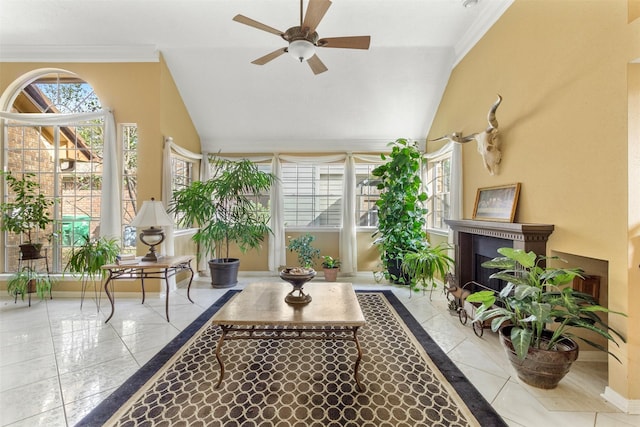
66 159
129 138
182 174
261 202
367 194
439 189
312 194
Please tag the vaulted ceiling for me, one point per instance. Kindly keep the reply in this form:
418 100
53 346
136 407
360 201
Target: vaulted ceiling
365 99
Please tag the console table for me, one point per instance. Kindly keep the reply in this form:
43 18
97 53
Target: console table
260 312
164 268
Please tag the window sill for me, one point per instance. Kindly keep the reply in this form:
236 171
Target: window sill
437 231
185 232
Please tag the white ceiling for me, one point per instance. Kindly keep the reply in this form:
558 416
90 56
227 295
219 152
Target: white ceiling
367 98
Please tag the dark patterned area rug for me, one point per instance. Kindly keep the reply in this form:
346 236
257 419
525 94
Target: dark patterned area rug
407 379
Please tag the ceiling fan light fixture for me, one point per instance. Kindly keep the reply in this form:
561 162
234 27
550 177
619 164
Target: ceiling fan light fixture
301 49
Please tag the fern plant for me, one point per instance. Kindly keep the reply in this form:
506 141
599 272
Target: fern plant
19 283
89 258
424 265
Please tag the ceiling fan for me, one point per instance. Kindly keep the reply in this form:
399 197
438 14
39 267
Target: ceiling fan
303 39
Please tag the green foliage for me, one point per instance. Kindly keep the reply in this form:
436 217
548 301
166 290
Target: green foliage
301 245
223 207
18 283
29 210
92 255
401 215
422 266
536 297
330 262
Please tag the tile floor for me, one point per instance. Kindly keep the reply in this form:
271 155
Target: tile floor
57 361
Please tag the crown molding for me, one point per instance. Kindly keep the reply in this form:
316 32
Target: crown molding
303 146
491 11
78 53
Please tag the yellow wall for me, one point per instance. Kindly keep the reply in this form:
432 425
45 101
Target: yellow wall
562 68
140 93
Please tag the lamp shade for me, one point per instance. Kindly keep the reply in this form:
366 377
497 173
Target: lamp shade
301 49
151 214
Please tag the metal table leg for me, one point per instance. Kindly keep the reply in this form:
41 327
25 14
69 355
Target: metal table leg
111 297
358 359
218 348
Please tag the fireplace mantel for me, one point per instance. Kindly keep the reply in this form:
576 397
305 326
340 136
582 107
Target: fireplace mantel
477 240
504 230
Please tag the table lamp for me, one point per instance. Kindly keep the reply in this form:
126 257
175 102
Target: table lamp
153 216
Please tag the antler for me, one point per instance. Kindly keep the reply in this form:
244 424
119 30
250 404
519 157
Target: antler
491 117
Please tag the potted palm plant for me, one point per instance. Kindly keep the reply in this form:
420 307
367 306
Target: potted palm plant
536 313
330 266
224 210
27 213
401 215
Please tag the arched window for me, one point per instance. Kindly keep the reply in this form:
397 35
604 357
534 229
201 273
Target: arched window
66 159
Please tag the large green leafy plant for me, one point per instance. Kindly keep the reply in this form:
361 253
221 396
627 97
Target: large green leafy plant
401 214
536 297
224 208
29 210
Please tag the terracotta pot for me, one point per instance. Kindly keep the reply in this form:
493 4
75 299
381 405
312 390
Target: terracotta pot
541 368
330 274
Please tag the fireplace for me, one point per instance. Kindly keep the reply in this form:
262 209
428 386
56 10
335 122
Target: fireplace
478 241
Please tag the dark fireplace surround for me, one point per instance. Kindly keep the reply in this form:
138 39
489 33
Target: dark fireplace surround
478 241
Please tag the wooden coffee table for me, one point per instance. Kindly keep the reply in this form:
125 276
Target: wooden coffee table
260 312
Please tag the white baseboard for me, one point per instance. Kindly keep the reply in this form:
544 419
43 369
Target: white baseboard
626 405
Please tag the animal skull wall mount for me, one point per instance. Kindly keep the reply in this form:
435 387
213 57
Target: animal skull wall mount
488 144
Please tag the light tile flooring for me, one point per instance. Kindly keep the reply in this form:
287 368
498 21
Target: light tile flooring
57 361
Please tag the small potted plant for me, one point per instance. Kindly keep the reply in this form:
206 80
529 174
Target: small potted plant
27 213
535 313
303 248
330 265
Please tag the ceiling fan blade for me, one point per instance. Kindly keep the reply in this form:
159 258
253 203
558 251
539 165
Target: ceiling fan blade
315 12
316 65
354 42
255 24
269 57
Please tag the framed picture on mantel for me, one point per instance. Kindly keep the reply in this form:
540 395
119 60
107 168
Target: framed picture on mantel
497 203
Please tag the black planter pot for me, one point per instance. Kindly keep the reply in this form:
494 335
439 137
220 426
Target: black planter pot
541 368
224 272
396 275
